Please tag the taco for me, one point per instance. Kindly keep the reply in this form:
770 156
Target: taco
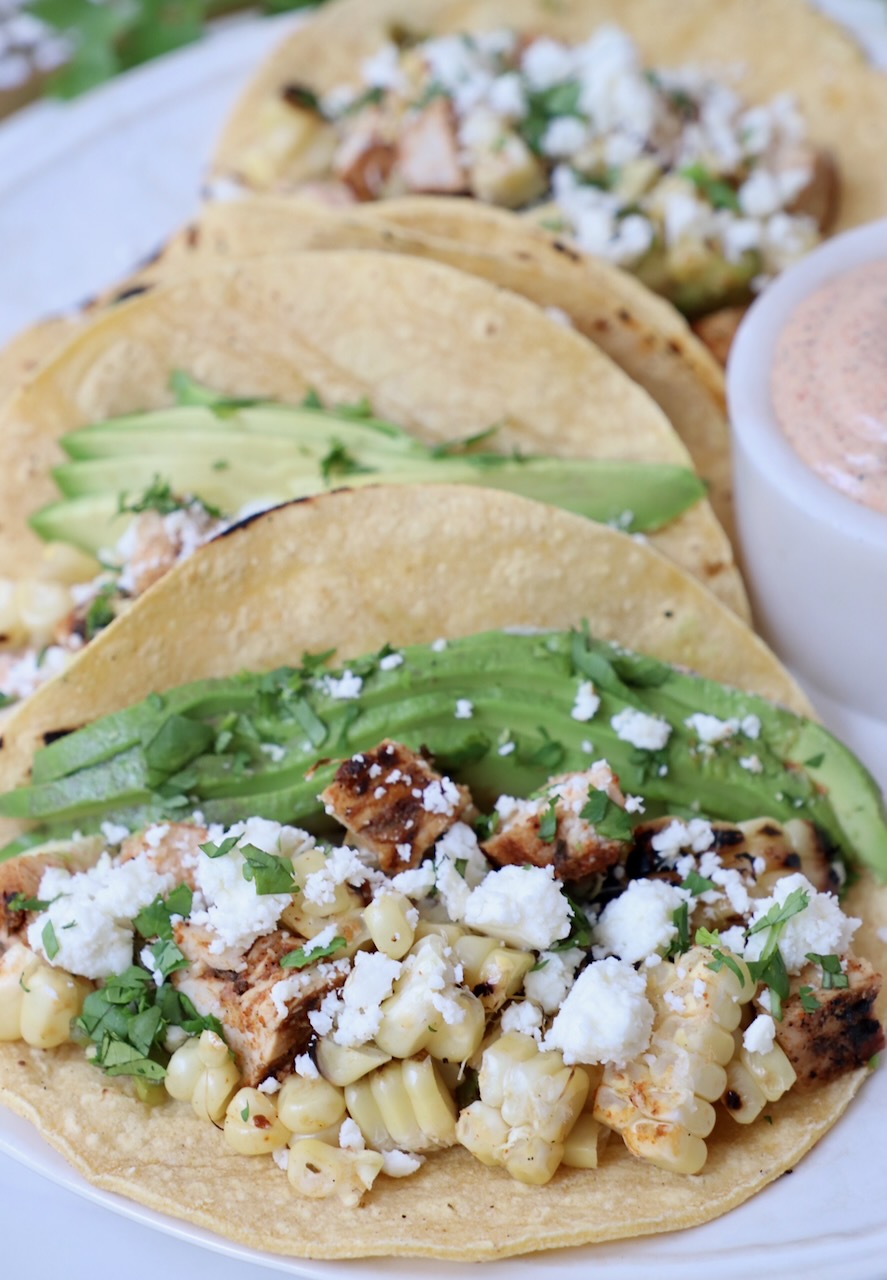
643 335
344 330
350 1081
704 150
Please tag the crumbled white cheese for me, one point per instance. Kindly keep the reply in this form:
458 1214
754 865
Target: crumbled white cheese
281 1158
547 985
695 834
270 1086
390 661
647 733
305 1066
113 832
382 70
415 883
273 750
634 804
464 709
458 845
350 1136
523 1016
605 1018
342 866
296 984
821 927
587 702
524 906
751 763
760 1035
676 1003
93 911
564 135
355 1011
348 685
234 912
440 797
505 748
400 1164
438 646
639 922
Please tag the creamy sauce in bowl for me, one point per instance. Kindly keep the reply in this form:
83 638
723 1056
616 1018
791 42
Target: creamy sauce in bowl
829 383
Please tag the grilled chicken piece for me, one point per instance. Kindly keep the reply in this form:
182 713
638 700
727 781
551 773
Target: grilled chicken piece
24 873
172 847
839 1036
394 804
366 156
718 329
428 152
796 845
821 196
264 1034
575 850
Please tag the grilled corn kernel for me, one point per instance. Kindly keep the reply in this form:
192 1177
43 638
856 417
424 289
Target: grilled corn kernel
290 141
67 565
15 966
584 1143
308 918
743 1096
218 1080
183 1070
341 1065
252 1127
41 606
502 974
306 1106
661 1101
472 950
388 920
318 1170
404 1105
51 999
754 1079
427 1010
451 933
529 1103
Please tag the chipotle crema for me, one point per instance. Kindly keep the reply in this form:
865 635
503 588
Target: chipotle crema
829 383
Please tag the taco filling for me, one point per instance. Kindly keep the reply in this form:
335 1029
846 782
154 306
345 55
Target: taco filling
665 172
142 493
527 944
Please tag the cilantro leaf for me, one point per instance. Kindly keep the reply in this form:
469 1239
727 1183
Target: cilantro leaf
50 941
548 822
607 818
307 955
100 612
718 193
580 929
680 918
772 973
833 976
269 873
167 957
809 1003
154 921
19 902
697 884
219 850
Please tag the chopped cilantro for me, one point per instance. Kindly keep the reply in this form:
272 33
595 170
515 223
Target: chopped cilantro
776 919
315 730
607 818
153 921
219 850
244 1115
486 825
371 98
718 193
339 462
721 958
268 872
50 941
159 497
312 400
680 918
548 822
772 973
167 957
815 761
19 902
833 976
540 964
697 884
308 954
580 929
100 612
809 1003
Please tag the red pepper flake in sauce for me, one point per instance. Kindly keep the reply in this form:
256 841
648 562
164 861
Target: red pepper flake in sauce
829 383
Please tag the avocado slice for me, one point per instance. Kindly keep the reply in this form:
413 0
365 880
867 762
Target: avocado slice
153 758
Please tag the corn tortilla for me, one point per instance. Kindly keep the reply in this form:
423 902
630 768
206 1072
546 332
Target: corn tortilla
303 576
434 350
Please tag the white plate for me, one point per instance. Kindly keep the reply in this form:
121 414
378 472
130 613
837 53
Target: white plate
86 191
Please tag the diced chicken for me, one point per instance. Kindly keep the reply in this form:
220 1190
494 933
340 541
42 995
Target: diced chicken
394 804
821 196
366 156
173 847
575 849
264 1033
839 1036
195 941
428 152
718 329
784 848
22 875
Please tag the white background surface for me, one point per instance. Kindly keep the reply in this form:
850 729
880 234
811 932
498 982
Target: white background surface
85 191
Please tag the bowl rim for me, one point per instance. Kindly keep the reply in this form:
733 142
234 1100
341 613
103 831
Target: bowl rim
752 415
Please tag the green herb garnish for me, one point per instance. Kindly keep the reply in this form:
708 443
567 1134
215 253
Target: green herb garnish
697 885
809 1003
548 822
308 954
833 976
607 818
50 941
268 872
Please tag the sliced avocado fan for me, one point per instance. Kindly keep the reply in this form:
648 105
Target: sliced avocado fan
267 744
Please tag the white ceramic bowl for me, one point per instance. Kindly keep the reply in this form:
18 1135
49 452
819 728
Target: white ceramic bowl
815 560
